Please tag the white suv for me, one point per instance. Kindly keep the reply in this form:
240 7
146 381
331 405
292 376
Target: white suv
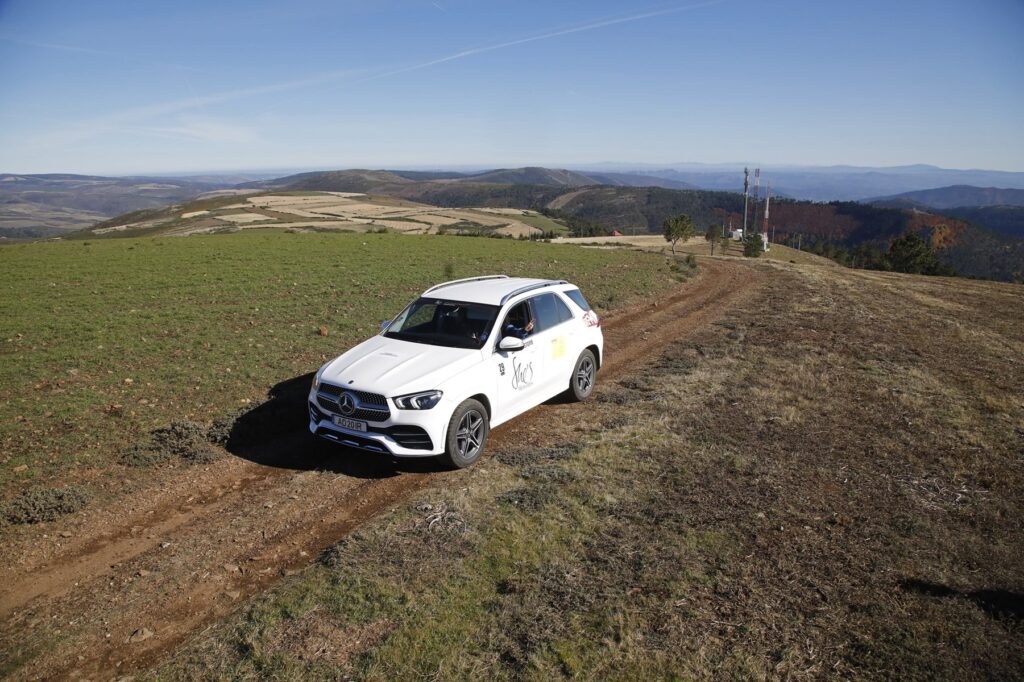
464 357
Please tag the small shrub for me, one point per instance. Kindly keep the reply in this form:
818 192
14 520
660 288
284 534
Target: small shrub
220 431
753 245
184 439
48 504
142 455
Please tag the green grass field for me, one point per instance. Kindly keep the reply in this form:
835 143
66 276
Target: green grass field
104 340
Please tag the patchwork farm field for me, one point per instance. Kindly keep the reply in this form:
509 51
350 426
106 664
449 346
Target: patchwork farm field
323 211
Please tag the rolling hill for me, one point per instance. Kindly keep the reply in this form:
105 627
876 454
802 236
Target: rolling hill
34 206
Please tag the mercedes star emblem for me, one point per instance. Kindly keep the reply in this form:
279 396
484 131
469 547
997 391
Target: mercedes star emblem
347 404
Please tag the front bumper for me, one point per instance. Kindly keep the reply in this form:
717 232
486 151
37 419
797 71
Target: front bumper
405 433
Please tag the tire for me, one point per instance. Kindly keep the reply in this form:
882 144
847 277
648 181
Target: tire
583 378
466 436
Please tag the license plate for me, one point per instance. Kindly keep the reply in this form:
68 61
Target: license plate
350 424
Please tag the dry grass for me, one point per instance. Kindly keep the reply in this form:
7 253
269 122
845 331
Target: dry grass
827 483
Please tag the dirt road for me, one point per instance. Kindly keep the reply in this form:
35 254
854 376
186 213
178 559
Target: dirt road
139 577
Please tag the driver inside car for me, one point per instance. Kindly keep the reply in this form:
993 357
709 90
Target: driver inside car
519 322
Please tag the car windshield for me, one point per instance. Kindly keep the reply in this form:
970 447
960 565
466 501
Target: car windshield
444 323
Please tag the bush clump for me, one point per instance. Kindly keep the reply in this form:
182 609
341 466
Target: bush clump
183 439
46 504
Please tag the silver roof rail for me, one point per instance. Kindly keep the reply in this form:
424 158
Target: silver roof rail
463 281
530 287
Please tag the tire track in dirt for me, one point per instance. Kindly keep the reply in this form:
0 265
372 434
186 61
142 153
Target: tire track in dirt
172 567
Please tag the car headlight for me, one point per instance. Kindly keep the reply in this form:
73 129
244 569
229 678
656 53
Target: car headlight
424 400
316 378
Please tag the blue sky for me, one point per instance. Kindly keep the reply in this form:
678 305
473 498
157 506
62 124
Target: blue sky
129 87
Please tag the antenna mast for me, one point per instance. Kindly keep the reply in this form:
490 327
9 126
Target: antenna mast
746 194
757 198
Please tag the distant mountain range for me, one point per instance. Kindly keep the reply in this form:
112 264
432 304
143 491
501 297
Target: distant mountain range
828 183
376 180
954 196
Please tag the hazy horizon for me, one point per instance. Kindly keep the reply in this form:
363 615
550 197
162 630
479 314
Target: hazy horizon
606 166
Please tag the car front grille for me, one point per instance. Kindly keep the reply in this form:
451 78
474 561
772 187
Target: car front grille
372 407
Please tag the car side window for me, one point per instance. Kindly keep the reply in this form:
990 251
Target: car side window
577 297
564 314
519 322
546 310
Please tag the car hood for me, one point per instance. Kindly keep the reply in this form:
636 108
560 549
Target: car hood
392 367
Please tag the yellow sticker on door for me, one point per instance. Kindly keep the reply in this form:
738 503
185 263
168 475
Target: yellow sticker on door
558 347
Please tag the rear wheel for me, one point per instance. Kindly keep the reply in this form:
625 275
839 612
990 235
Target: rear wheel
581 384
467 435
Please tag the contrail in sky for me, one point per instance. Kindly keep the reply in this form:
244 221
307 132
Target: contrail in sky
545 36
344 77
590 26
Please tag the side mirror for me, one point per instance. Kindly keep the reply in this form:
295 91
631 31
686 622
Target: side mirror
384 324
511 343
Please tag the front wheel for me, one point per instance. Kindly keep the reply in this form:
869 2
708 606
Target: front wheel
467 435
581 383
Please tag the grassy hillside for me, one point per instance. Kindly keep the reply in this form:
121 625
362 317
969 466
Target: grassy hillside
532 175
104 340
816 486
356 180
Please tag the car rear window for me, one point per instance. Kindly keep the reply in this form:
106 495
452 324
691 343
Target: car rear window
577 297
